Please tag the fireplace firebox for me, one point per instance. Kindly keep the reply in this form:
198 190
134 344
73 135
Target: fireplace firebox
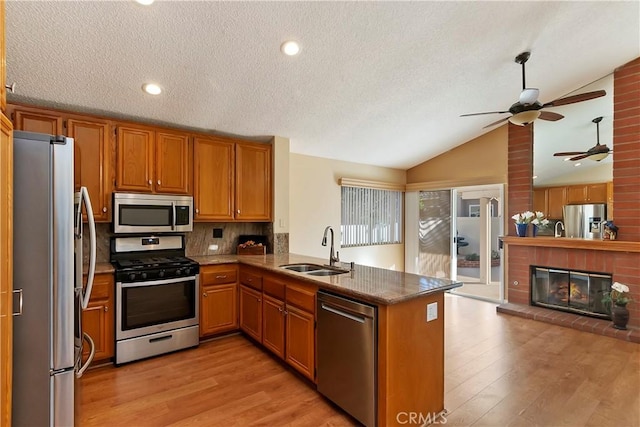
568 290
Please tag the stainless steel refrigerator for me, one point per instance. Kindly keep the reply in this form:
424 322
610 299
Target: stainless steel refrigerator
48 288
584 221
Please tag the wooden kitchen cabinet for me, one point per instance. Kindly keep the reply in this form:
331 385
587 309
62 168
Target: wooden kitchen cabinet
588 193
37 121
152 161
556 199
300 341
540 203
218 299
134 159
213 183
6 267
253 200
98 318
172 163
251 312
273 325
92 164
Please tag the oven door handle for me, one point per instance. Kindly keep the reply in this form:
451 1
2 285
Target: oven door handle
157 282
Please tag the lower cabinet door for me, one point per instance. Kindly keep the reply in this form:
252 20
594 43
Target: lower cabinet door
251 312
98 319
300 341
273 325
218 309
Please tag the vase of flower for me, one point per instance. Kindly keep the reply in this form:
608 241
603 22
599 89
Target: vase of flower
521 229
620 316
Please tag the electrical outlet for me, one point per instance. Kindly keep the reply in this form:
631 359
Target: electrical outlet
432 311
213 247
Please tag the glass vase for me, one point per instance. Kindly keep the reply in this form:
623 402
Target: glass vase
521 230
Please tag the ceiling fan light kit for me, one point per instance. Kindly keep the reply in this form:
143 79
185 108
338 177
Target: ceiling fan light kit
524 118
528 108
596 153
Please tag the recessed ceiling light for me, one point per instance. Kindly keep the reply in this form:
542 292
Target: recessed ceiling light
145 2
151 88
577 164
290 48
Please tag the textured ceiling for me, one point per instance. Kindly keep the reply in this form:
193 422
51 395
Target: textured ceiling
380 83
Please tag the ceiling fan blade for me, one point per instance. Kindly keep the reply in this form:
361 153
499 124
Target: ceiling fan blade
569 153
480 114
496 122
580 157
575 98
550 116
529 96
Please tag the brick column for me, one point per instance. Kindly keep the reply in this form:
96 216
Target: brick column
519 172
626 150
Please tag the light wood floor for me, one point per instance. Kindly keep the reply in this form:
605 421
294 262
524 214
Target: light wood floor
500 371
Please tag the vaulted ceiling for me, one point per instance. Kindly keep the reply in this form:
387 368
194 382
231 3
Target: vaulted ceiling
380 83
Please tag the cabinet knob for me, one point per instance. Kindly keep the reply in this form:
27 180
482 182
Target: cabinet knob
221 277
150 182
259 299
106 308
286 312
280 309
238 211
197 210
104 209
204 294
158 182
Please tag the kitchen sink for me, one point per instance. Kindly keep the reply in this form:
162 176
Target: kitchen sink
314 269
302 268
325 272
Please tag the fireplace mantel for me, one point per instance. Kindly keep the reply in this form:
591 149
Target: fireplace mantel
571 243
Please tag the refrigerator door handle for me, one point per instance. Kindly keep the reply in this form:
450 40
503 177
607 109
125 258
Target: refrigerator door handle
84 197
20 300
92 353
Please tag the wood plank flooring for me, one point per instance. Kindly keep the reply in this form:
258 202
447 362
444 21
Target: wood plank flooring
500 371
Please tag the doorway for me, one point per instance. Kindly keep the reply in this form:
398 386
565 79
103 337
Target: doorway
453 233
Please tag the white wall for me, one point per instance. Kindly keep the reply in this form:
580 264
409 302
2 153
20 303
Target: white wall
314 203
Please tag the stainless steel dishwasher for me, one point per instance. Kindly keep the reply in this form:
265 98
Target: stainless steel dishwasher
346 335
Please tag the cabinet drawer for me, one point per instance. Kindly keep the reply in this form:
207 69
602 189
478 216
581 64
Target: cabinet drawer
251 279
218 275
302 297
273 287
102 286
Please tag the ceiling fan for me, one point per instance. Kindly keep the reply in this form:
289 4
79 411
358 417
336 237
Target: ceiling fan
597 152
527 109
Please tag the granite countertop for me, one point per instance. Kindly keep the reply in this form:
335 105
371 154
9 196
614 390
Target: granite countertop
375 285
101 268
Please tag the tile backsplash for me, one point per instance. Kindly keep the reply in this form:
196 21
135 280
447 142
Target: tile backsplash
199 240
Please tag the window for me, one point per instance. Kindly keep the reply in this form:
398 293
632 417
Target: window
370 217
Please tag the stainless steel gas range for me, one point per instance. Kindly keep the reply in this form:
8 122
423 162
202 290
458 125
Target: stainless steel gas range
157 309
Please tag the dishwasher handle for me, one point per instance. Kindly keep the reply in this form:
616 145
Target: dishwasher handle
339 312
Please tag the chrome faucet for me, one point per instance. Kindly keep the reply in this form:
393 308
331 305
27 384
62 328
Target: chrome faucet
332 259
559 233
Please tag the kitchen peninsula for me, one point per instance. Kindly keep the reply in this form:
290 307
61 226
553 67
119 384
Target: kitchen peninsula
410 343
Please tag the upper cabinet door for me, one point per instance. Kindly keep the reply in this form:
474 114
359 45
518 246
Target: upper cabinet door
134 159
92 164
173 163
213 179
253 182
37 122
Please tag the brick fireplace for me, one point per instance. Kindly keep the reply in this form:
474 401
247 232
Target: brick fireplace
620 258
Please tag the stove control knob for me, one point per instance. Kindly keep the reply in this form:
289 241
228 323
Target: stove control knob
187 271
143 275
161 273
132 276
178 272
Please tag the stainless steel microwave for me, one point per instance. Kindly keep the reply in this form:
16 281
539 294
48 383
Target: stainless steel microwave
144 213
